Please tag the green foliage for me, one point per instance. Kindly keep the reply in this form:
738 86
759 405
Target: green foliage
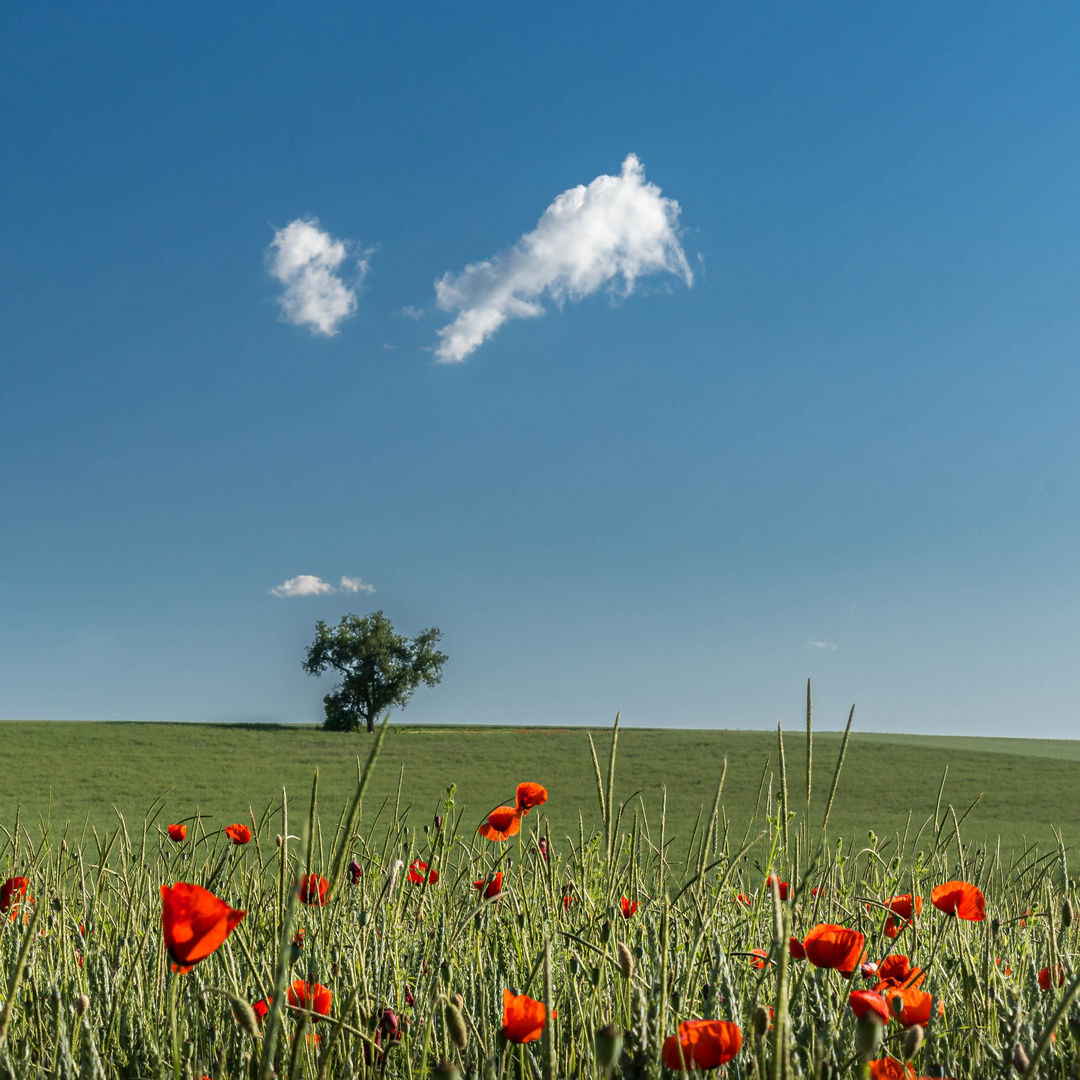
380 668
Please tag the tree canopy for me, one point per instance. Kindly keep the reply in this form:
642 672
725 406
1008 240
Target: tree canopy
380 668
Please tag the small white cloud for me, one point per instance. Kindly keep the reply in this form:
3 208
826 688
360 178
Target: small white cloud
412 312
821 645
355 585
308 261
304 585
388 346
609 233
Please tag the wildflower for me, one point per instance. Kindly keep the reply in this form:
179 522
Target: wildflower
418 873
523 1018
530 795
896 971
742 898
795 949
959 898
409 999
911 1006
567 897
311 996
238 834
11 891
260 1007
1045 978
194 922
502 823
543 844
867 1001
868 969
628 908
312 890
702 1044
354 872
761 958
831 946
900 906
890 1069
490 887
997 962
782 886
177 832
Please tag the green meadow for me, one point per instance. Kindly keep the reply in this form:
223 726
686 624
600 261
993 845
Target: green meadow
86 772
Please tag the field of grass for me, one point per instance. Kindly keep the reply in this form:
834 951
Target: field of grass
75 771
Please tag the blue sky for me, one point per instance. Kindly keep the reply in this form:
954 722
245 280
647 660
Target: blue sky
839 442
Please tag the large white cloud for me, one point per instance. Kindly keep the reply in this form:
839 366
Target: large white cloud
308 262
607 233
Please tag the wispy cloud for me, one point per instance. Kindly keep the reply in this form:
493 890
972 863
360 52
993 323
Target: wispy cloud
355 585
310 585
309 262
607 233
411 312
813 644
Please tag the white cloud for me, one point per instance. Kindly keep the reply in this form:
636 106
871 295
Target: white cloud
609 233
411 312
821 645
308 262
354 585
304 585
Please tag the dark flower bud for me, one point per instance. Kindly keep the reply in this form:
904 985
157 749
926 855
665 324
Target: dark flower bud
912 1041
445 1070
608 1041
594 975
605 932
761 1021
1066 914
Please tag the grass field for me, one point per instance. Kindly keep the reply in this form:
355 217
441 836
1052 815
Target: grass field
75 771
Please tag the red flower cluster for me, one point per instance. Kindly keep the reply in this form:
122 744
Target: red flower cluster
505 821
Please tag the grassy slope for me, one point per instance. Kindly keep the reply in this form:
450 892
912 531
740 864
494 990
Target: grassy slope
85 768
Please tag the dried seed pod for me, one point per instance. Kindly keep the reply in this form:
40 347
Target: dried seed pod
626 962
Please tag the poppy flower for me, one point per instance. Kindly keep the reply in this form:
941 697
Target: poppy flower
523 1018
628 908
238 834
354 872
490 886
891 1069
795 949
1008 970
418 873
914 1006
761 958
313 889
900 906
543 847
959 898
742 898
311 996
11 891
896 971
567 897
832 946
260 1008
702 1044
782 886
194 922
867 1001
177 832
502 823
1045 978
530 795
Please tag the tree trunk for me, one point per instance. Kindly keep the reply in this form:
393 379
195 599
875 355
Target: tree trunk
371 723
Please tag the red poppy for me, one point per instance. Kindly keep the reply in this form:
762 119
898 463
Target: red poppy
177 832
311 996
194 922
502 823
313 889
11 891
867 1001
900 906
959 898
567 897
914 1006
782 886
530 795
896 971
742 898
628 908
1008 970
832 946
490 886
1045 978
418 873
702 1044
238 834
761 958
523 1018
890 1069
260 1007
795 949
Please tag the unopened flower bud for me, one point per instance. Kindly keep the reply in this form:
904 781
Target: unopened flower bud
912 1040
608 1041
1021 1061
626 962
455 1026
445 1070
1066 914
761 1021
438 823
897 1005
458 1000
82 1003
277 839
605 932
868 1034
245 1016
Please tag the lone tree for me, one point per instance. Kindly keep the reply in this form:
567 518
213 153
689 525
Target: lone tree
379 668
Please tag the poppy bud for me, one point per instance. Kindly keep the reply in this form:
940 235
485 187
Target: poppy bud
277 839
455 1026
544 847
438 823
57 904
761 1021
608 1042
574 965
491 1069
63 845
521 920
676 1000
626 962
1021 1061
605 932
897 1005
1066 915
444 971
245 1015
362 919
354 872
867 1034
82 1003
912 1040
445 1070
594 976
995 925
